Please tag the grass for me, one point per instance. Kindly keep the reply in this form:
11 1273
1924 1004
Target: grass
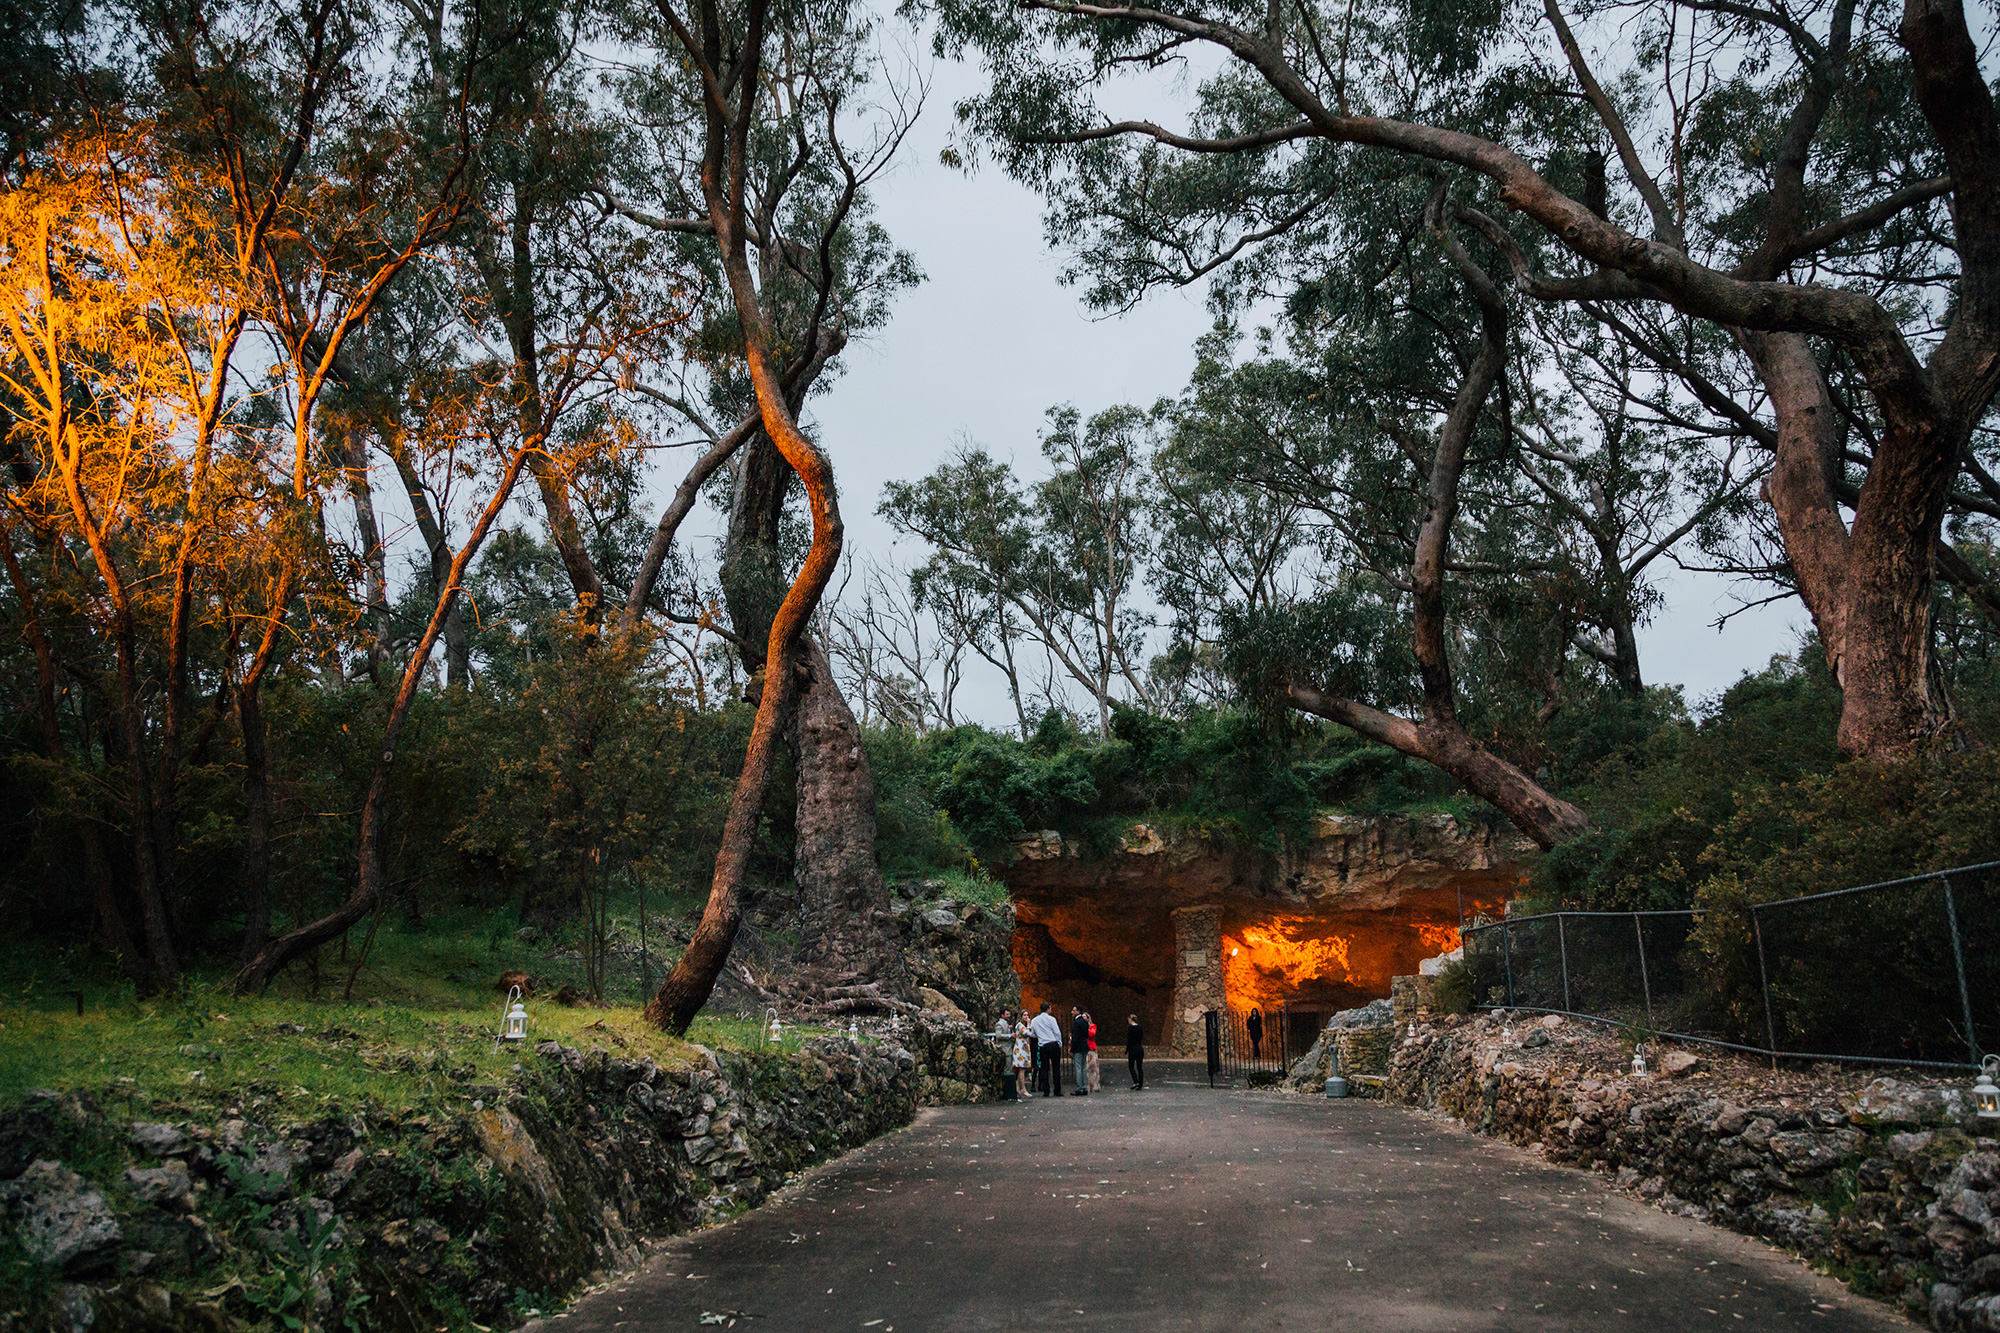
967 886
417 1031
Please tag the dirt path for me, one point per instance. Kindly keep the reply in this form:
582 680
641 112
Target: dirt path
1181 1208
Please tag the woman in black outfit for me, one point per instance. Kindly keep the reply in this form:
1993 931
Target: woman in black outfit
1135 1051
1255 1025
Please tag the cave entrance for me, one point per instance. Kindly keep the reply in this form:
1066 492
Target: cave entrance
1170 965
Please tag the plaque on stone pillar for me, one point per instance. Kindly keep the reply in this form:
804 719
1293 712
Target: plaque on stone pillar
1197 958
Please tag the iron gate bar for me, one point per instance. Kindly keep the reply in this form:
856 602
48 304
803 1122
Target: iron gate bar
1958 958
1942 877
1924 878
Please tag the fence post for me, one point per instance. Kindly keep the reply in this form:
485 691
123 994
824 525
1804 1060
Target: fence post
1645 982
1958 957
1764 984
1507 942
1562 942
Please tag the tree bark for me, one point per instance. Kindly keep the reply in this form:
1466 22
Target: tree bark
846 904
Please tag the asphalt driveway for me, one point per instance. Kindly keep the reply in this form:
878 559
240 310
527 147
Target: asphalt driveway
1182 1208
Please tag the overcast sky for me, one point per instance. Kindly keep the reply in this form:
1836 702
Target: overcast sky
991 340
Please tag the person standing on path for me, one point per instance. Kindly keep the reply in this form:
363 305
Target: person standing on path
1255 1025
1096 1074
1135 1051
1048 1051
1024 1080
1003 1038
1079 1050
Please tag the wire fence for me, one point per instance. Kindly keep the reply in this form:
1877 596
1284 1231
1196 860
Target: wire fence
1902 972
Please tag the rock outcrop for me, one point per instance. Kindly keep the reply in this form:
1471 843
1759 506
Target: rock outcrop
1892 1180
1329 923
962 950
423 1221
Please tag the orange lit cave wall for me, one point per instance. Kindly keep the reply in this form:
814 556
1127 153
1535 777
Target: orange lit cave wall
1112 958
1346 960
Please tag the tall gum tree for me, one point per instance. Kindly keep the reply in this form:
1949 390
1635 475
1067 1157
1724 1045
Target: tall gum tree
739 74
1769 241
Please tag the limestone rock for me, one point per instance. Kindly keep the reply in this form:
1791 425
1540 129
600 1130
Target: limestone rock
168 1186
157 1140
1679 1064
60 1220
936 1002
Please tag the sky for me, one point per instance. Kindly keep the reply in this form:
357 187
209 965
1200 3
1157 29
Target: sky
992 339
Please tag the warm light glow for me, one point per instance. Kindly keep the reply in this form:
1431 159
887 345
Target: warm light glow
1266 962
1437 939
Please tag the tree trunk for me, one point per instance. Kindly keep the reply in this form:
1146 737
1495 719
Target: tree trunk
96 865
371 872
374 558
1546 818
846 905
257 825
1439 739
457 649
1868 589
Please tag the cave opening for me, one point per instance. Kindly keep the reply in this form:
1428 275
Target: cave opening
1169 961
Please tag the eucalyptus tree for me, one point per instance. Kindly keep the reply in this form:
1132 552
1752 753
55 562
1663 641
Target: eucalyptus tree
1862 230
744 145
1067 555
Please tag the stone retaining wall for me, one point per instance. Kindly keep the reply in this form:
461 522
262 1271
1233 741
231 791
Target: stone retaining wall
413 1224
1891 1183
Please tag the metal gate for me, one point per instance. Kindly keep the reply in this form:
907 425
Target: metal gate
1256 1046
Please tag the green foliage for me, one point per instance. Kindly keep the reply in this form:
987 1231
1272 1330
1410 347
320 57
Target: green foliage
1452 991
1216 773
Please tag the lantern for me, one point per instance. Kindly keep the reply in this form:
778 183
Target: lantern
514 1022
1986 1089
773 1026
853 1030
1638 1062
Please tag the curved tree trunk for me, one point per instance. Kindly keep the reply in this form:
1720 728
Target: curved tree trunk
1439 739
371 872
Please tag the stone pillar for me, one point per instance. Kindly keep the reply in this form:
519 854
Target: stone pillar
1198 985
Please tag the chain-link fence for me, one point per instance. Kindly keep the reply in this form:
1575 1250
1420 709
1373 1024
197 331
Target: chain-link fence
1902 972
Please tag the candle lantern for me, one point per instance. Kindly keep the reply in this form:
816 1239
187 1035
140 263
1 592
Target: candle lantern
1986 1089
514 1020
775 1028
1638 1062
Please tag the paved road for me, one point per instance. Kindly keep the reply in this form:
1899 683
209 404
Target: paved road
1181 1208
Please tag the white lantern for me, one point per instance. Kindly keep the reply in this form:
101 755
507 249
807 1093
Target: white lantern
515 1021
1986 1089
854 1029
775 1028
1639 1062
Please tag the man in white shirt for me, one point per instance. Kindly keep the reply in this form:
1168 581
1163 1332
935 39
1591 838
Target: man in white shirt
1048 1049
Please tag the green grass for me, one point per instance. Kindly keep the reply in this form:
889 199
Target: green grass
418 1030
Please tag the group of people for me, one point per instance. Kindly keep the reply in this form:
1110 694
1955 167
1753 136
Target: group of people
1038 1051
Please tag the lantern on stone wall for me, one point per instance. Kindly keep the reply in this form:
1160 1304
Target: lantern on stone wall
1986 1089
